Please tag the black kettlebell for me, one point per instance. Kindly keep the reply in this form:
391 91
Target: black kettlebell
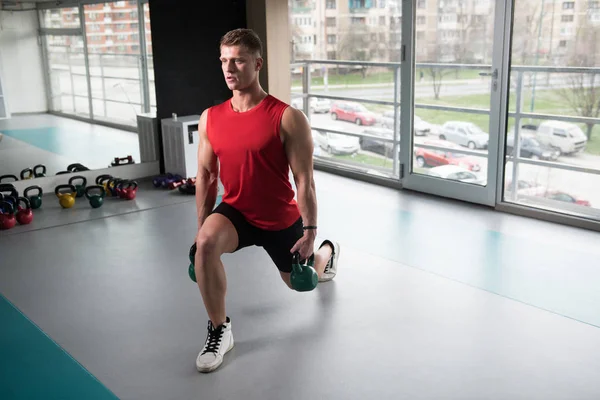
81 187
35 200
96 200
4 177
37 173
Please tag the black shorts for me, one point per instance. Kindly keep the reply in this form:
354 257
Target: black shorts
276 243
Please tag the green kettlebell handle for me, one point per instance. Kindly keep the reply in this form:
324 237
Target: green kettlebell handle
297 267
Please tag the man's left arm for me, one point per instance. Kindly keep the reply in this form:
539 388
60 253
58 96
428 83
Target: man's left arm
298 144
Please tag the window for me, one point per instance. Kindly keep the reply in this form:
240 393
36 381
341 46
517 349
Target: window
331 39
381 3
594 5
421 20
421 4
567 18
568 5
330 21
331 55
330 5
382 20
421 35
562 43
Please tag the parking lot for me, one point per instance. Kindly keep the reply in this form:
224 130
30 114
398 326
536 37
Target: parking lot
579 185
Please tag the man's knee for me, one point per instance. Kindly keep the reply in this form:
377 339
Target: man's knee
207 245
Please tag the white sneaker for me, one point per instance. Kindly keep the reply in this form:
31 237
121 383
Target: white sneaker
332 264
218 342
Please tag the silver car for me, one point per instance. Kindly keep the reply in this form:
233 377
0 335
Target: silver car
466 134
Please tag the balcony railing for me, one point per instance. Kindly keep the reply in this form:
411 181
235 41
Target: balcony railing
544 77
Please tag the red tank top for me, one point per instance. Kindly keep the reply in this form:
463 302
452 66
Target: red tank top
254 168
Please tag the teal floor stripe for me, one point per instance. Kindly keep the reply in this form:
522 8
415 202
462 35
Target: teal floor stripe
32 366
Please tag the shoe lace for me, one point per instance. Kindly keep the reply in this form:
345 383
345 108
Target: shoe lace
213 339
328 265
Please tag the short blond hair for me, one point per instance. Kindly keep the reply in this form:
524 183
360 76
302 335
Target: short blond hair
245 38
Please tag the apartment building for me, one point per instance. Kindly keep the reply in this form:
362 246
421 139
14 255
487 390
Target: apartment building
111 28
446 30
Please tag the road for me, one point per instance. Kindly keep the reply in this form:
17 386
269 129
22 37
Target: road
462 87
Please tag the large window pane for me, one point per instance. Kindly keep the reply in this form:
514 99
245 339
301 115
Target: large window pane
68 85
352 133
553 160
112 31
60 18
453 48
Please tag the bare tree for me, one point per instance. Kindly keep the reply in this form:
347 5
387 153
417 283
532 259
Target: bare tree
581 92
356 45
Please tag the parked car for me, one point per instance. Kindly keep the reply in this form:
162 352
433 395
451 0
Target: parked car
377 146
562 196
433 158
525 188
421 127
335 143
456 173
564 136
353 112
316 105
465 134
531 148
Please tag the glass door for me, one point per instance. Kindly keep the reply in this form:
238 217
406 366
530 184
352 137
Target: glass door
552 157
449 145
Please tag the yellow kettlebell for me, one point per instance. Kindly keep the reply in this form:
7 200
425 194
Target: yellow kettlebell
66 200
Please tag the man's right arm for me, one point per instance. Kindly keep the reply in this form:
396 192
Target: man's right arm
208 173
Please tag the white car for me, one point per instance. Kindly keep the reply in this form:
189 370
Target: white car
316 105
455 173
565 136
335 143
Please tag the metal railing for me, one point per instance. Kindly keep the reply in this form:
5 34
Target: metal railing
516 82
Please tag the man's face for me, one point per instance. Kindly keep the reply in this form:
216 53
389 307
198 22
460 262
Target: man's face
240 67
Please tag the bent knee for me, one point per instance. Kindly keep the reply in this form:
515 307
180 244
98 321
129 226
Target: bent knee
207 245
285 276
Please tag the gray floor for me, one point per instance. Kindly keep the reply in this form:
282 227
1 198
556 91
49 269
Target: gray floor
114 293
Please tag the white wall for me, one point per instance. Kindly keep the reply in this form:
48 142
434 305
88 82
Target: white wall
21 66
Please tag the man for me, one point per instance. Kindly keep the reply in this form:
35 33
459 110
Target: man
251 141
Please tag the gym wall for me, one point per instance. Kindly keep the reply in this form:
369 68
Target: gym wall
185 45
21 66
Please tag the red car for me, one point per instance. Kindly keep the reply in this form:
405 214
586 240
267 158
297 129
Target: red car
353 112
434 158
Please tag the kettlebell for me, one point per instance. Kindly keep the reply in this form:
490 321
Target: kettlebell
191 268
7 216
35 201
27 173
96 200
36 170
66 200
4 177
128 190
81 187
9 189
303 278
24 214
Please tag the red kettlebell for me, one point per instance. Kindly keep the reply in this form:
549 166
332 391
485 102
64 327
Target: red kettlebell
7 216
129 190
25 214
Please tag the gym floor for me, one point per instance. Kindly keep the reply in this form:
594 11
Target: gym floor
56 142
434 299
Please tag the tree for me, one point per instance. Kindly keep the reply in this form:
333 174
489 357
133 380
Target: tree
356 45
581 91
